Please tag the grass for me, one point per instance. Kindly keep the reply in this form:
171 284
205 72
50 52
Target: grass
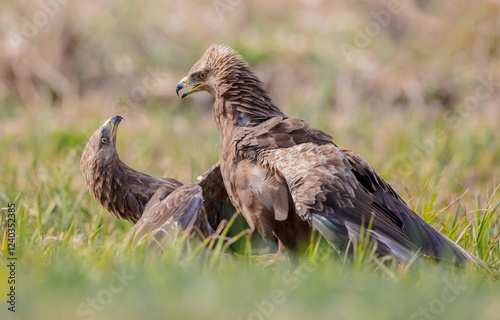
68 247
402 105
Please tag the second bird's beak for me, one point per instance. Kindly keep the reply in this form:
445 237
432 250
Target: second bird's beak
115 121
183 84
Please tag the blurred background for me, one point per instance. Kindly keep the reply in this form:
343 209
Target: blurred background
412 86
357 69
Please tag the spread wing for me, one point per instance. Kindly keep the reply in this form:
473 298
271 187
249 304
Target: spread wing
167 213
339 193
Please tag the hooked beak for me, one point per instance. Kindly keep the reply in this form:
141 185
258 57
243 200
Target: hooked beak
115 121
183 84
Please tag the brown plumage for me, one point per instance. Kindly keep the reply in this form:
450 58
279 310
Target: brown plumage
157 205
285 175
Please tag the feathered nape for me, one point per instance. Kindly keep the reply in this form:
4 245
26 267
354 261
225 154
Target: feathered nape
239 88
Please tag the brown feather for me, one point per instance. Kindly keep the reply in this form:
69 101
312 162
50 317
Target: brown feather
167 213
264 152
157 205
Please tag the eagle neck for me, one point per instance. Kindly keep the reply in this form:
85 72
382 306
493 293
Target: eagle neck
112 182
242 101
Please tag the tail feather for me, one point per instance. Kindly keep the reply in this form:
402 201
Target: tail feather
416 238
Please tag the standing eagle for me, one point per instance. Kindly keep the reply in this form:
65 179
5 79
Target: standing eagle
284 175
158 206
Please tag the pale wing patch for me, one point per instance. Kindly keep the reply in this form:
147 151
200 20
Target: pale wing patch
269 190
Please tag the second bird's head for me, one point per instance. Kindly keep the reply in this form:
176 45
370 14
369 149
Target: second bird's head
102 145
218 66
108 131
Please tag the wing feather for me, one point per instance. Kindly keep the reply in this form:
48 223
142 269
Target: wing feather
167 213
340 193
216 199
